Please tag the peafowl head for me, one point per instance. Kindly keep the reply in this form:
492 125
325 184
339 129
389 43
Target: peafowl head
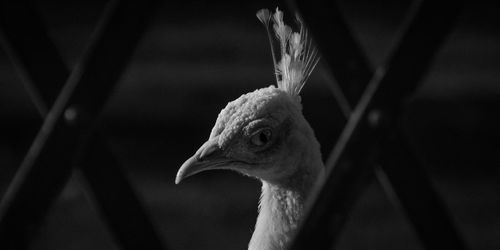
263 134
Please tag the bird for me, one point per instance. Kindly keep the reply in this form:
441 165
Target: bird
263 134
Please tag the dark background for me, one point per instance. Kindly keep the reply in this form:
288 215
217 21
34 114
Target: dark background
197 56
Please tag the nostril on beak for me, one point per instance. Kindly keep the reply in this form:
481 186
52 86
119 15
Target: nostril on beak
207 152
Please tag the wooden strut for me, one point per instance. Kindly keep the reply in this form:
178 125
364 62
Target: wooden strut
371 135
47 165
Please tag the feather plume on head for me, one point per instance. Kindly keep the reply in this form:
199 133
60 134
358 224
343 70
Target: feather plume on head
298 55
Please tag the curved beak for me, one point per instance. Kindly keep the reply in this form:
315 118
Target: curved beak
209 156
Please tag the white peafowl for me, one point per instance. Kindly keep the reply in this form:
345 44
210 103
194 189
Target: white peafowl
263 134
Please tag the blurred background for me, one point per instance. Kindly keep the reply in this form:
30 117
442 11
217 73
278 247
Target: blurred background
197 56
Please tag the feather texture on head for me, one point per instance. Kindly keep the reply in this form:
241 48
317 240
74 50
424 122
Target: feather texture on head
298 55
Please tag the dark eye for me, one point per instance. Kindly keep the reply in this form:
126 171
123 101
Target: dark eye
261 138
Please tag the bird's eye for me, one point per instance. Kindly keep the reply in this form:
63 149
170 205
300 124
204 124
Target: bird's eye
261 138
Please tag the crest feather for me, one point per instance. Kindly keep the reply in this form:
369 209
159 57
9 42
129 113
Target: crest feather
298 54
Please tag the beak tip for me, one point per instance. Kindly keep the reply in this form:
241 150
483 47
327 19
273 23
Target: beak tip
185 170
197 162
180 176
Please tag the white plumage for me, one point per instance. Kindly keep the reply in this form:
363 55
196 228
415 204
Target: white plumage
263 134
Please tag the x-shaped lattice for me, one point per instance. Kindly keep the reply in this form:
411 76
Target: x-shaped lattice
66 137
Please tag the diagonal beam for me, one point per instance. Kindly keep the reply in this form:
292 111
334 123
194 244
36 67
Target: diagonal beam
381 99
20 25
27 200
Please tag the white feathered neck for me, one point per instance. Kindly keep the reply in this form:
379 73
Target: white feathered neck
282 205
279 214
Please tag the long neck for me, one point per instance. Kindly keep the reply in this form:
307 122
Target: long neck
281 207
280 210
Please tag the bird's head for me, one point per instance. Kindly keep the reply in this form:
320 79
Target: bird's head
261 134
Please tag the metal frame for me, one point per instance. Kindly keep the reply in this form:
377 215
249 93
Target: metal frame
372 135
66 137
